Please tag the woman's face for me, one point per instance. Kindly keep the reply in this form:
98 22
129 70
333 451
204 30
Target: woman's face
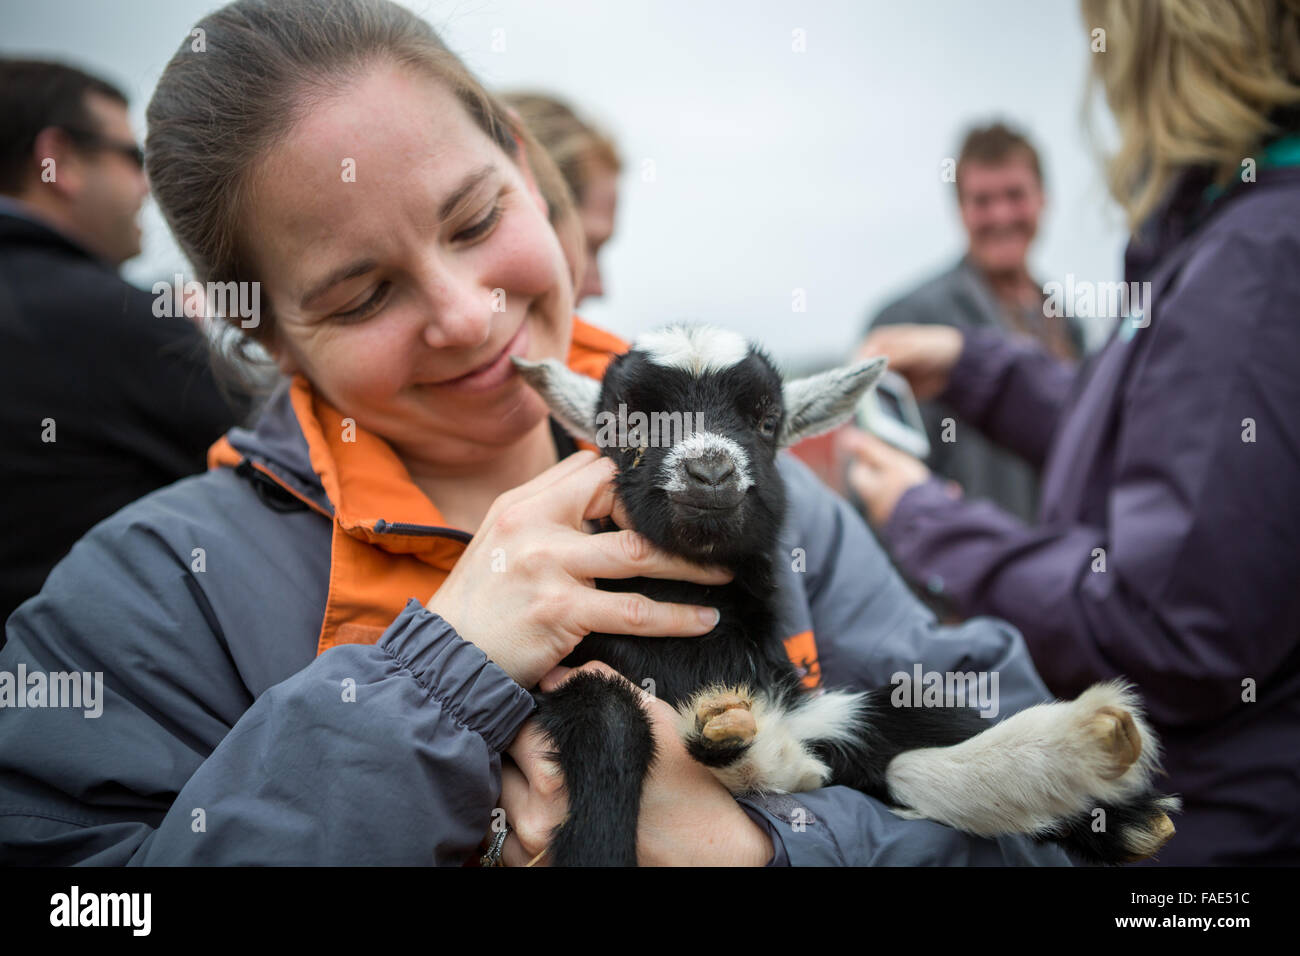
402 250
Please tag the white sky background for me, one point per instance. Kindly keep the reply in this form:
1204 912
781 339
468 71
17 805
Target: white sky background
774 170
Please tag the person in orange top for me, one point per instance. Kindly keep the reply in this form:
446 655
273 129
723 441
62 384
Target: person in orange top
278 685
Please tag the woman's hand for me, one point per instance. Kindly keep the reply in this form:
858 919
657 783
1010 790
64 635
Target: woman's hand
523 591
922 354
687 817
879 473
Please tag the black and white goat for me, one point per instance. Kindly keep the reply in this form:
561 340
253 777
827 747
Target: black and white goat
716 496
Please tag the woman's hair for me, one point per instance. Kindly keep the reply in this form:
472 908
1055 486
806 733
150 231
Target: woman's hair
246 74
577 147
1192 83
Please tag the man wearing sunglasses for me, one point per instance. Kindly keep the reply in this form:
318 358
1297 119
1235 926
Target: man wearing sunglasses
81 170
101 401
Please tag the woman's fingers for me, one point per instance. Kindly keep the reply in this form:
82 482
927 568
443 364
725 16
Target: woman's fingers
617 554
620 515
553 678
887 341
528 748
514 799
560 675
611 612
532 794
607 503
551 476
865 446
628 554
586 492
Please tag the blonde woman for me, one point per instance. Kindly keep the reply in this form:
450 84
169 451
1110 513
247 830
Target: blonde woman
1167 546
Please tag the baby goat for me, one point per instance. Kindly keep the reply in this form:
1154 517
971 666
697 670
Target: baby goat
715 496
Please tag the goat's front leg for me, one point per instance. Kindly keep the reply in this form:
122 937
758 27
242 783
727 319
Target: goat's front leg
1047 771
604 747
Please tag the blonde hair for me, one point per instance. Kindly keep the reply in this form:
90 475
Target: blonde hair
1191 83
577 147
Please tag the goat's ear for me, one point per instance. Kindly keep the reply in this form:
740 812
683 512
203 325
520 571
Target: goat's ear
572 397
820 402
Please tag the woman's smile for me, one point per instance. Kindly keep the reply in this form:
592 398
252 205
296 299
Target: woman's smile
492 373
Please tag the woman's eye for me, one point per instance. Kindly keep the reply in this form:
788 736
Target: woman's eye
371 304
480 228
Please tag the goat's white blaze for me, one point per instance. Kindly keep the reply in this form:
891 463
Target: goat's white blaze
696 349
673 470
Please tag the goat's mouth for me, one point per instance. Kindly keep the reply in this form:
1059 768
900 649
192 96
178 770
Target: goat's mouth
706 525
715 504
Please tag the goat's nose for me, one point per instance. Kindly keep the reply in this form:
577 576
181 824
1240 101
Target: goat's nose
711 469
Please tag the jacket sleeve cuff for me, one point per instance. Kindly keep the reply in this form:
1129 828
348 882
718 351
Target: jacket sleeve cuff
919 500
769 825
797 839
464 681
905 531
976 377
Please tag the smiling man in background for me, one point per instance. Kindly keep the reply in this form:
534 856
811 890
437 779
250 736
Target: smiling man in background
1000 197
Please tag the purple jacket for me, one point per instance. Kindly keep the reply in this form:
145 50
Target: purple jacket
1167 548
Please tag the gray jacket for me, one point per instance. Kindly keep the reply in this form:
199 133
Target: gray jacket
225 739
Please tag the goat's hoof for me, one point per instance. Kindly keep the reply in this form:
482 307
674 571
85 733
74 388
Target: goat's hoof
725 720
1116 735
1144 842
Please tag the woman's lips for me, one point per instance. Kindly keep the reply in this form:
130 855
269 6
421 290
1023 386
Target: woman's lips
493 373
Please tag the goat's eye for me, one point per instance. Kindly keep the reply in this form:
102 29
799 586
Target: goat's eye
767 427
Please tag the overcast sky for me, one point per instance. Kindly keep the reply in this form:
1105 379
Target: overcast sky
774 170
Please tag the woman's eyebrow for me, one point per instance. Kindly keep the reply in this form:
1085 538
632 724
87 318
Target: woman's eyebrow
361 267
467 186
349 271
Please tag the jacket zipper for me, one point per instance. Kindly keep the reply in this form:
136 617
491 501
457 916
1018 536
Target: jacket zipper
248 469
420 530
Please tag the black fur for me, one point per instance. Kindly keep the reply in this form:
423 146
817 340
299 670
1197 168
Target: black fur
603 745
1108 845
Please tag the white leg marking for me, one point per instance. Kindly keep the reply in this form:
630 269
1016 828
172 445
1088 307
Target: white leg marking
778 759
1026 773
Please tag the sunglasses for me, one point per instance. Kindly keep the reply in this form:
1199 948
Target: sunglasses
97 141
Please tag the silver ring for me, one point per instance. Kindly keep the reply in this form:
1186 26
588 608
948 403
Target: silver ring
493 856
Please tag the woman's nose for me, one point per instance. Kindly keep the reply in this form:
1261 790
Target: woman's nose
459 310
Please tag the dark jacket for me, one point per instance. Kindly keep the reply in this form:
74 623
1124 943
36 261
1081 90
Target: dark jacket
254 712
1167 548
128 398
961 298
